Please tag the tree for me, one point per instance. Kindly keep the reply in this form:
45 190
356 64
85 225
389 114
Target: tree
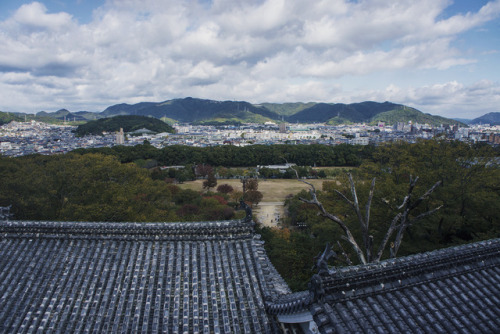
187 196
90 187
400 223
225 188
210 182
203 170
469 189
266 172
236 196
188 210
252 185
253 196
291 253
223 172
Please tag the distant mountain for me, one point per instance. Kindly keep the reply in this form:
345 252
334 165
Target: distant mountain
6 117
191 110
62 115
463 120
342 113
287 109
492 118
199 110
404 114
87 115
129 123
202 111
369 112
127 109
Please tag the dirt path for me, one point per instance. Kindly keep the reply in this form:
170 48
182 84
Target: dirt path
269 213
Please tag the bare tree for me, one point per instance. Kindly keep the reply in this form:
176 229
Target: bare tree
401 221
210 182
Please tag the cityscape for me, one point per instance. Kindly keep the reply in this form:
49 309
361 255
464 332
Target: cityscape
33 137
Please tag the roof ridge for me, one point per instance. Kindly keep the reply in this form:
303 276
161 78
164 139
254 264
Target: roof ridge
341 283
229 229
404 268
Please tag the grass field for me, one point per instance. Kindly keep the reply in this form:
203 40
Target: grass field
273 190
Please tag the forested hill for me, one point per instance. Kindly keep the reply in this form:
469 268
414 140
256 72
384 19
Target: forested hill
341 113
128 123
368 112
196 110
8 117
403 114
492 118
193 110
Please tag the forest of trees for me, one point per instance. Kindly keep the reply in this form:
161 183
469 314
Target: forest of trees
469 193
105 185
95 187
232 156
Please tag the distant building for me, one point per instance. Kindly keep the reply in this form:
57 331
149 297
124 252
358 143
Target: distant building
494 138
282 127
120 137
360 141
282 168
399 126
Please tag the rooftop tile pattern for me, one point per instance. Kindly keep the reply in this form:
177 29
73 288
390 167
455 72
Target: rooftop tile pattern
72 277
454 290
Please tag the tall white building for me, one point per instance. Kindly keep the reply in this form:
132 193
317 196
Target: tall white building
120 137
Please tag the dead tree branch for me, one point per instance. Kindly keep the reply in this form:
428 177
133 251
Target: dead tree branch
348 235
406 221
399 223
344 254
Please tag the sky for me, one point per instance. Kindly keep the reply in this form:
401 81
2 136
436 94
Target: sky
439 56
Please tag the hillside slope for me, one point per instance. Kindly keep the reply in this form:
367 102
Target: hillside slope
62 115
492 118
191 110
404 114
8 117
287 109
129 123
203 111
341 113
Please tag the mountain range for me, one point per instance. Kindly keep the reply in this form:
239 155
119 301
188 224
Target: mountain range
492 118
191 110
199 110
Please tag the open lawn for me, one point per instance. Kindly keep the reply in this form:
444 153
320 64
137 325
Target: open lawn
273 190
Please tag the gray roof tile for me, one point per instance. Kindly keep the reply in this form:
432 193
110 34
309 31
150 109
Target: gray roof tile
453 290
134 277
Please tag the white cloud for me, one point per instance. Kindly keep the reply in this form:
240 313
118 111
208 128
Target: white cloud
449 99
262 50
35 15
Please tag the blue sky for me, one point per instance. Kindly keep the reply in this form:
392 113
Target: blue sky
81 10
439 56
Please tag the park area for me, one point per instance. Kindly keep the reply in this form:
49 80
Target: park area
274 190
270 211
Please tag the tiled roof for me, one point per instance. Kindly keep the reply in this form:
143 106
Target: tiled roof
134 277
454 290
216 277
